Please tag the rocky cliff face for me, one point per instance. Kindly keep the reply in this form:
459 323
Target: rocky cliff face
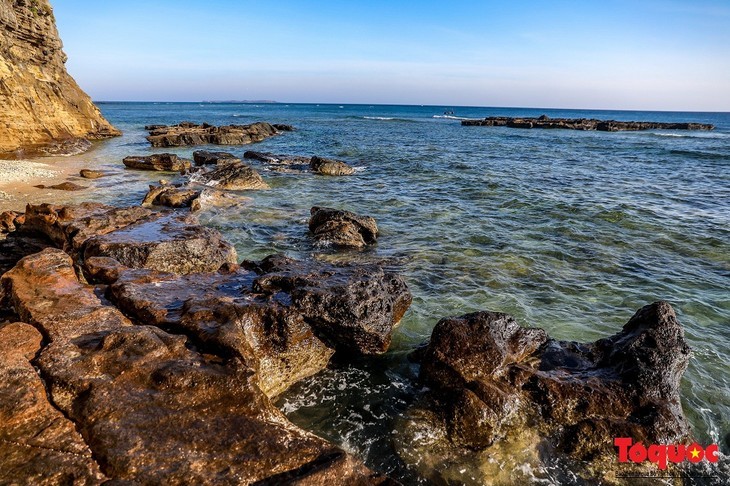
43 110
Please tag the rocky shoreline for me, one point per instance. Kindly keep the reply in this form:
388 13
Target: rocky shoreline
546 122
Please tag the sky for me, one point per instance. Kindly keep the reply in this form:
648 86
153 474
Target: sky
610 54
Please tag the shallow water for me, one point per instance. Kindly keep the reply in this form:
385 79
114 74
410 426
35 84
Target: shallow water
569 231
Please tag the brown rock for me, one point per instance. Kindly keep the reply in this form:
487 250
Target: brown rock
187 133
43 109
234 177
64 186
170 243
173 196
17 246
203 157
38 445
9 221
350 307
152 410
91 174
158 162
330 167
342 228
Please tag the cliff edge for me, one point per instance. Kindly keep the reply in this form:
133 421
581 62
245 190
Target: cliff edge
42 109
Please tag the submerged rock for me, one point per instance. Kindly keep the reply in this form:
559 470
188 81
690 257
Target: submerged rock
64 186
493 383
187 133
234 177
158 162
204 157
351 307
342 228
330 167
91 174
151 409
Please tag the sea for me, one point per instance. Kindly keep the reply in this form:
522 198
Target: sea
565 230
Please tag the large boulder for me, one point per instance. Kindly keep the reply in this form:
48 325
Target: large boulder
38 445
342 228
495 386
167 242
187 133
353 308
234 177
330 167
151 408
158 162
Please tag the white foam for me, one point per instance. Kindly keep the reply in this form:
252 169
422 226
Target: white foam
451 117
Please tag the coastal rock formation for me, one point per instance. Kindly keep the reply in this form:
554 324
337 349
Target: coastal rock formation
159 162
342 228
43 109
493 382
280 163
203 157
233 177
330 167
351 308
172 196
187 133
149 407
582 124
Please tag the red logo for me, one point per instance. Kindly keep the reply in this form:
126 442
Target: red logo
661 454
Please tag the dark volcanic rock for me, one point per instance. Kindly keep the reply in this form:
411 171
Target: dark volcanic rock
152 410
38 445
203 157
342 228
192 134
582 124
220 312
91 174
352 308
491 379
158 162
172 196
330 167
170 243
234 177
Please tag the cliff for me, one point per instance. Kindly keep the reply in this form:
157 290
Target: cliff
42 109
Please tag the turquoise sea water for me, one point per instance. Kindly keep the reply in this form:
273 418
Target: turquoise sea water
568 231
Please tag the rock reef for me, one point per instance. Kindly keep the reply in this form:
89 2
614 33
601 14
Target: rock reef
44 112
582 124
187 133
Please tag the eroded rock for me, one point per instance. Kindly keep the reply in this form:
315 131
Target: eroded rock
91 174
204 157
233 177
187 133
342 228
172 196
157 162
330 167
279 162
494 383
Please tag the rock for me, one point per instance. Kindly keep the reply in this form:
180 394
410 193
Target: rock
64 186
342 228
221 313
152 409
17 246
330 167
582 124
351 308
43 109
38 445
9 220
91 174
283 127
186 133
234 177
169 242
280 163
491 380
203 157
173 196
159 162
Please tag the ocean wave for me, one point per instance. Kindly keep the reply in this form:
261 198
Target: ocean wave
388 118
379 118
710 135
451 117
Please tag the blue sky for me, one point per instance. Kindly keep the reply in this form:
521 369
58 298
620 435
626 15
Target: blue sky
663 55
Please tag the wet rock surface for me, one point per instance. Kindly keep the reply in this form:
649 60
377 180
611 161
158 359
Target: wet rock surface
342 228
582 124
203 157
91 174
63 186
172 196
492 380
330 167
157 162
186 133
150 407
232 177
280 162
